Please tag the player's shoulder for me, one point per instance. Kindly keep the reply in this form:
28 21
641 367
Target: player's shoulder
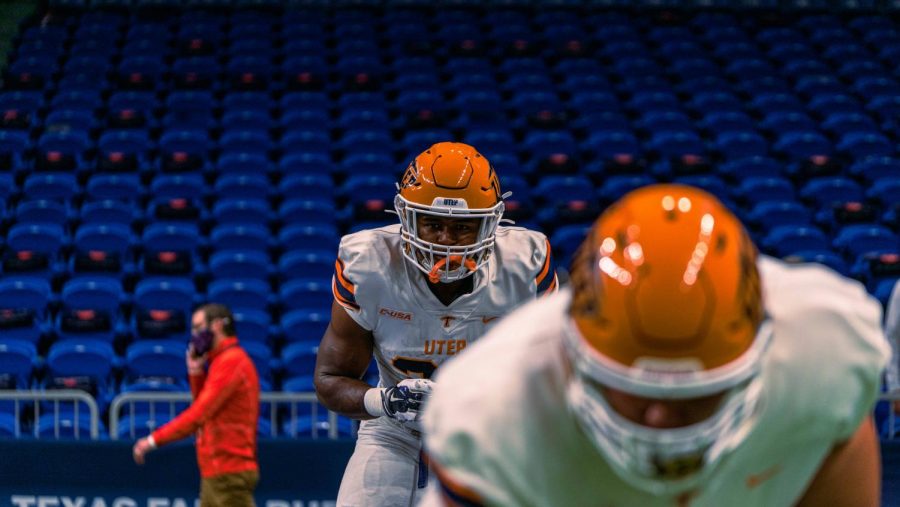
369 255
371 241
523 250
809 288
518 238
822 318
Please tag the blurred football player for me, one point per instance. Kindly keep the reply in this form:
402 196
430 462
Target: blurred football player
415 295
679 369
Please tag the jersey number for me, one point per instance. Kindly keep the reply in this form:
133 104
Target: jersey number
414 368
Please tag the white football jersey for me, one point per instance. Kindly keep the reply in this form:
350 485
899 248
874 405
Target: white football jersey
892 330
414 332
498 427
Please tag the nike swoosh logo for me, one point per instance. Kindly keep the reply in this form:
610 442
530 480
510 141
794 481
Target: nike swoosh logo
485 320
755 480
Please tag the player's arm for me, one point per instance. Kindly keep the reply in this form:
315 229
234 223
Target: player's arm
343 357
851 475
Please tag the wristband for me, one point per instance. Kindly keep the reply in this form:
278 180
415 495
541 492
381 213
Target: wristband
373 403
151 441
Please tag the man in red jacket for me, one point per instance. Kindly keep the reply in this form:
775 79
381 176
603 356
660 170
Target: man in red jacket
224 412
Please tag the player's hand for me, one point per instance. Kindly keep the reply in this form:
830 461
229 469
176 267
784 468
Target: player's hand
406 400
194 363
140 449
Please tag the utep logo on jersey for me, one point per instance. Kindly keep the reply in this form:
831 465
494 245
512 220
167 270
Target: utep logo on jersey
396 314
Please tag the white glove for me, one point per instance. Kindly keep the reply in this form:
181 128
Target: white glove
403 402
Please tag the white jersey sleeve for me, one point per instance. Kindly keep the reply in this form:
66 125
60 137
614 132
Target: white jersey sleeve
527 253
360 273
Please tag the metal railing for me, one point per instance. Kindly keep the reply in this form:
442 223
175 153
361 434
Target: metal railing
57 397
272 402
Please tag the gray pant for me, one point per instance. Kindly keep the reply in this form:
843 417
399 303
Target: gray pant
384 468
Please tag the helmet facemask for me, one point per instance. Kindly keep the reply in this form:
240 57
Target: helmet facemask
451 181
670 460
447 263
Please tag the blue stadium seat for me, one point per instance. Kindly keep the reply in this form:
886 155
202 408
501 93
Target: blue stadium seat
81 364
307 211
34 249
261 355
769 214
859 145
57 186
237 210
858 239
753 167
177 186
248 186
123 150
306 294
42 211
239 159
825 191
102 249
754 190
872 169
118 187
162 308
736 145
171 249
566 239
239 237
241 294
90 309
256 142
300 358
159 360
232 264
306 263
785 240
615 187
17 362
24 308
253 325
63 151
305 325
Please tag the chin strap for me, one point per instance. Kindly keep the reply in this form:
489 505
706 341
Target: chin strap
435 275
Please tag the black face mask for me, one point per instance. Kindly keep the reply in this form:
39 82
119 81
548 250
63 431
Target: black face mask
201 341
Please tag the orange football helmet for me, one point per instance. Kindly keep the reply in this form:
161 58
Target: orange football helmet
666 304
449 180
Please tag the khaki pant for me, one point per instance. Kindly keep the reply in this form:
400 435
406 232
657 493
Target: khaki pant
229 490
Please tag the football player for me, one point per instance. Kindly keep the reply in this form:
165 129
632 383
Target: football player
679 369
414 295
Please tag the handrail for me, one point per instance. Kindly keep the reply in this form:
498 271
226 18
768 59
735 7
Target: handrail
273 398
56 396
